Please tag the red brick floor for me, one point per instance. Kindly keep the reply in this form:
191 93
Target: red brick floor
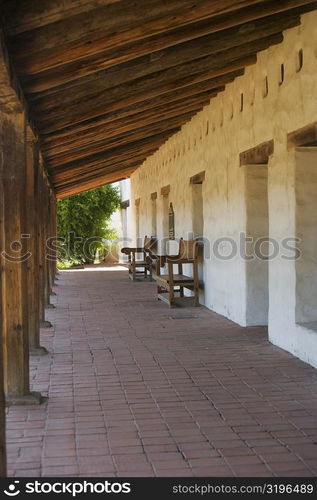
137 389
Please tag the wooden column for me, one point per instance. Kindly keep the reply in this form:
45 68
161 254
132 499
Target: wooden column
54 222
14 261
41 238
42 247
2 399
32 221
48 234
52 252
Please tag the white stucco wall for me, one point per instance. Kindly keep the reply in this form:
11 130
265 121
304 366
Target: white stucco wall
211 142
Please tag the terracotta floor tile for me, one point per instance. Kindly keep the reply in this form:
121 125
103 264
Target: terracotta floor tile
132 391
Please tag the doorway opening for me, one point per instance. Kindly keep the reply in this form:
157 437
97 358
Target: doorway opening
198 226
137 222
257 247
154 214
306 232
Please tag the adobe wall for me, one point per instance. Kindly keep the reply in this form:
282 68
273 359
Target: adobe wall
257 107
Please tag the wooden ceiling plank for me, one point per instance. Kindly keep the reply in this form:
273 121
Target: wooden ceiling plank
99 87
121 23
122 97
26 15
121 126
114 155
151 63
175 96
134 43
118 140
93 184
102 170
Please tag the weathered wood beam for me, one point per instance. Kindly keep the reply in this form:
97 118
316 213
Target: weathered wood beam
54 252
113 169
45 198
26 15
258 155
121 23
47 220
120 139
306 136
3 465
14 262
41 244
32 225
98 168
133 37
206 87
10 92
151 63
111 156
118 127
94 183
130 93
14 255
101 86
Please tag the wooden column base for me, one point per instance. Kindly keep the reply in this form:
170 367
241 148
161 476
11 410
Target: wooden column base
38 351
33 398
46 324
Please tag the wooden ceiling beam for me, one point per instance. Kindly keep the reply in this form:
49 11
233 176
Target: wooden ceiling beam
127 95
120 46
115 167
112 155
124 125
50 82
207 87
98 89
79 187
121 24
26 15
75 154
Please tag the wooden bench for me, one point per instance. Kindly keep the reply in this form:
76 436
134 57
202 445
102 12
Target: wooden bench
170 284
146 262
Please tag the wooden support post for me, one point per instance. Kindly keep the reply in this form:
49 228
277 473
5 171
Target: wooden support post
42 247
32 220
53 254
47 232
14 261
2 399
54 218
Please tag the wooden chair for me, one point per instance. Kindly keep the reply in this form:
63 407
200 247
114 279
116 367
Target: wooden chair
146 262
169 284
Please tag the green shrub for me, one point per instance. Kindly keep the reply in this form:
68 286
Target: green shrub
83 224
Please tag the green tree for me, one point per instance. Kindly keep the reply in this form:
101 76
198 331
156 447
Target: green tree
83 223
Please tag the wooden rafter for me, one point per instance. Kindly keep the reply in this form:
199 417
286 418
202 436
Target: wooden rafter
113 69
107 82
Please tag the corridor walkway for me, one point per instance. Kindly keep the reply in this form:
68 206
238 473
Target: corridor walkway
137 389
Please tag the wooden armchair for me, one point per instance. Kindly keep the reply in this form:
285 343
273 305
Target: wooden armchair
146 262
169 284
